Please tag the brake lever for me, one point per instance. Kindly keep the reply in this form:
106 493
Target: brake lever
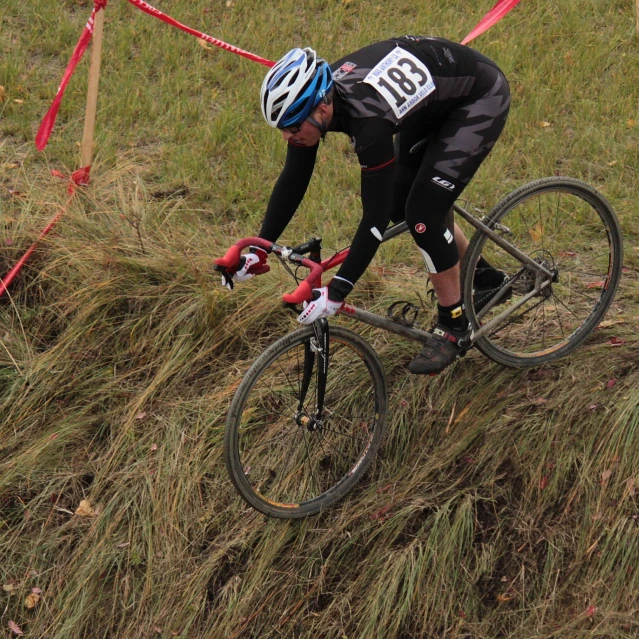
227 280
293 307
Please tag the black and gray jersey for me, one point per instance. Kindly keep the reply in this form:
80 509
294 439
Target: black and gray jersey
404 78
396 84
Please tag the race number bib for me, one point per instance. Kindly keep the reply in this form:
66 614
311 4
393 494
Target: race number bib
402 79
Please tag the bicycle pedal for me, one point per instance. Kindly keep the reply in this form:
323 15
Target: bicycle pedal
406 315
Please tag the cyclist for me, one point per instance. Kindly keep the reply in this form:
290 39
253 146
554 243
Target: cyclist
388 97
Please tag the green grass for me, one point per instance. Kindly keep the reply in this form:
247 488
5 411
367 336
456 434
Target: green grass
512 494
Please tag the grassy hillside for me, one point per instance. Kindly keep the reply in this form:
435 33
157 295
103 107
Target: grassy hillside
503 502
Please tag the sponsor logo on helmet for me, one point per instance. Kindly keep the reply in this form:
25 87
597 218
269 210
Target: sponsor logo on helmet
420 228
444 183
347 67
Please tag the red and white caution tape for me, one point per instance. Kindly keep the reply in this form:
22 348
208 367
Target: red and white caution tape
49 119
502 8
77 178
81 176
8 278
46 127
152 11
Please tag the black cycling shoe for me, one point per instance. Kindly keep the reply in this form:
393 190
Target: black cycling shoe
486 286
441 351
488 276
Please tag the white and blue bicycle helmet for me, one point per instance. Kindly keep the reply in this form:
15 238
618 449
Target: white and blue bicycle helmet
293 87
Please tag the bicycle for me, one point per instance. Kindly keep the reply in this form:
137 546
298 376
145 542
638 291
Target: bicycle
307 419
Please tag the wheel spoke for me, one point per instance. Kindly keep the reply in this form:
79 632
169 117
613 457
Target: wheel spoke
567 308
308 457
289 381
588 297
336 432
561 327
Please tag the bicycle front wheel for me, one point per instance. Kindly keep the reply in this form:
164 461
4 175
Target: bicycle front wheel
283 461
569 228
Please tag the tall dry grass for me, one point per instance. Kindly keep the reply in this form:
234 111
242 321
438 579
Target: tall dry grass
503 502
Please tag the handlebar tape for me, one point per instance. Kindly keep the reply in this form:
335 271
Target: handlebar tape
303 293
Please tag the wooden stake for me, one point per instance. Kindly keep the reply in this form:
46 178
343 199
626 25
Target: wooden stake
87 140
92 92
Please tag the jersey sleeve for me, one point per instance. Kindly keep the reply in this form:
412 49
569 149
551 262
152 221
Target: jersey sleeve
289 190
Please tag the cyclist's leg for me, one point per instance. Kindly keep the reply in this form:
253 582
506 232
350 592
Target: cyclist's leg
452 158
406 167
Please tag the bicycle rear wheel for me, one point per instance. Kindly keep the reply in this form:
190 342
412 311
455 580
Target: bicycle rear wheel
573 231
280 459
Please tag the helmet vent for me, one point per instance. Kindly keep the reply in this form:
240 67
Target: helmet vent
293 87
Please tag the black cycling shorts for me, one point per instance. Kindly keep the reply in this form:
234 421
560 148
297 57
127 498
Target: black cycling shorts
436 160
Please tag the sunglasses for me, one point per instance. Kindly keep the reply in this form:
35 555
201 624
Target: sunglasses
295 128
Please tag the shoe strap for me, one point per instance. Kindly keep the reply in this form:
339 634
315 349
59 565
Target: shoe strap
445 335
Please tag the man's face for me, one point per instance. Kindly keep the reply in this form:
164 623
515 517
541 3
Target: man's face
308 135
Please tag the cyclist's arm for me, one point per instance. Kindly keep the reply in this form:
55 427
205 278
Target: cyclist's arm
289 190
374 148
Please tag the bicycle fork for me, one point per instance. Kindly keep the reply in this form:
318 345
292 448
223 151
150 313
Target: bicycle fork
317 345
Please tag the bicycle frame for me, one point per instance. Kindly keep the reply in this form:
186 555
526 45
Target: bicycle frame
308 417
544 277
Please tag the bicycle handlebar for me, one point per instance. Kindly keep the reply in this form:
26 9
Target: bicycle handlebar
303 293
232 257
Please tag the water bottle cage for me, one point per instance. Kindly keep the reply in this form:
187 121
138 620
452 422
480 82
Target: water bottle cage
406 315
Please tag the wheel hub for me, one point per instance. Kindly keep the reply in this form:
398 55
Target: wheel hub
305 421
529 278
